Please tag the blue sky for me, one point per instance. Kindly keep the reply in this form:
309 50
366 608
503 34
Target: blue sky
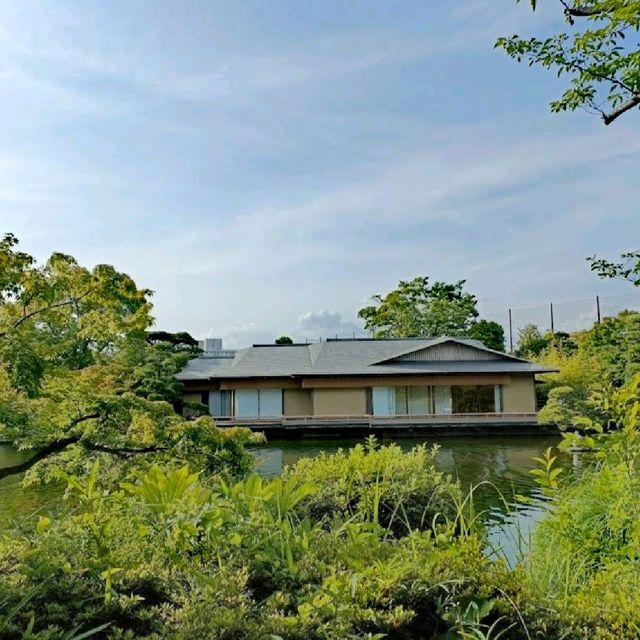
266 166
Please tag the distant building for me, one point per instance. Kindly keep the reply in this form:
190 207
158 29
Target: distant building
415 381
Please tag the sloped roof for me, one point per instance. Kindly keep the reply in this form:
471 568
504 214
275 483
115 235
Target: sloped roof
354 358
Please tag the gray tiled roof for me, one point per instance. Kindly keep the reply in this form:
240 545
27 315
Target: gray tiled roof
348 357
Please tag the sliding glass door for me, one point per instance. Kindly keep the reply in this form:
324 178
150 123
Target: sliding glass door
436 399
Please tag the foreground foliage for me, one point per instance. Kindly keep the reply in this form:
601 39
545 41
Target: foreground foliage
586 552
176 554
598 50
400 491
170 555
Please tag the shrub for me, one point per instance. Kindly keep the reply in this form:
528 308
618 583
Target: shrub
399 490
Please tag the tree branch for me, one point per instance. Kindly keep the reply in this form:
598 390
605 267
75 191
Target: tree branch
49 450
632 102
55 305
60 445
625 106
122 452
577 12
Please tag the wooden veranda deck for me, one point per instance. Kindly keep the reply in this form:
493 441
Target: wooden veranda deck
438 423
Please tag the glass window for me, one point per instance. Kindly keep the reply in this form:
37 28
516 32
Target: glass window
368 398
383 401
442 400
246 403
497 392
473 399
419 401
226 402
402 401
270 403
214 403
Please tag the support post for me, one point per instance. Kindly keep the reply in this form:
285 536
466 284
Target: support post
598 309
551 312
510 333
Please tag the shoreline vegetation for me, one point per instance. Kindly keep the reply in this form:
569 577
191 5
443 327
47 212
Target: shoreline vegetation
166 531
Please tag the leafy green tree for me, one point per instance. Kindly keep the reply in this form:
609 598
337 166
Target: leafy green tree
627 269
602 58
418 308
79 380
616 342
490 333
180 341
284 340
605 357
531 341
149 371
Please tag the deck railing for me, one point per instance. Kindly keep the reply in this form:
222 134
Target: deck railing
369 420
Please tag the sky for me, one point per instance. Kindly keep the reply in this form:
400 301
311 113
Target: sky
265 167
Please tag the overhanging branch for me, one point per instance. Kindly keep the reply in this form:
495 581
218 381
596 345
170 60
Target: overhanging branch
62 444
580 12
625 106
122 452
49 450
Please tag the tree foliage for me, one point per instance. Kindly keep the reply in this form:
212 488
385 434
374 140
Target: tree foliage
531 341
627 269
179 341
284 340
604 357
599 52
490 333
79 379
418 308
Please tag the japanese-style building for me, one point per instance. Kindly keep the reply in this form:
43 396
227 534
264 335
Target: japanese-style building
364 382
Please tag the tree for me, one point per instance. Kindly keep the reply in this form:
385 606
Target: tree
417 308
490 333
180 341
603 65
531 342
79 380
627 269
616 341
284 340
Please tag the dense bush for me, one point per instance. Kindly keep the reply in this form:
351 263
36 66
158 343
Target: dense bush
585 557
172 556
399 491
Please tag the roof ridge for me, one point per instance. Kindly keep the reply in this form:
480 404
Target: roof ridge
314 350
459 339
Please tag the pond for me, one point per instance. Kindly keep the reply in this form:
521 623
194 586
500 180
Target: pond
501 462
17 502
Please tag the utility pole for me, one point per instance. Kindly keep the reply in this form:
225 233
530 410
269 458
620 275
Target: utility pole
598 309
510 333
551 311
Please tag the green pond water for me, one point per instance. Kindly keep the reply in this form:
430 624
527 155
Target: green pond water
502 462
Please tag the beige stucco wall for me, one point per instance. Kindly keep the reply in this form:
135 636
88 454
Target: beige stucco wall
339 402
402 381
192 397
519 396
298 402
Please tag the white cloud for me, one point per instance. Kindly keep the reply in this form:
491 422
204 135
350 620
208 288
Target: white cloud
198 193
243 335
326 324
